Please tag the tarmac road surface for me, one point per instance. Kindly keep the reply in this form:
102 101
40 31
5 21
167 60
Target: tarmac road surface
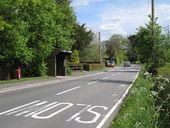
84 102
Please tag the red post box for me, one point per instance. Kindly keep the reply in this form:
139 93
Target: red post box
18 71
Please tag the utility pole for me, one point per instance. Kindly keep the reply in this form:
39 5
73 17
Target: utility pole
153 11
100 53
153 28
168 31
153 16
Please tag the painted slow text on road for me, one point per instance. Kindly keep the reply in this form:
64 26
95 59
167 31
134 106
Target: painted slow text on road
45 110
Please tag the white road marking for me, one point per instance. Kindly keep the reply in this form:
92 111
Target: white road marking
41 108
28 108
106 78
37 115
9 89
100 125
19 107
115 100
89 109
114 94
114 75
68 90
81 111
92 82
123 85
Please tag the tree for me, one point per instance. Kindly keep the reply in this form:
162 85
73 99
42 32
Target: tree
65 22
166 46
116 45
75 57
82 37
31 29
90 53
132 54
149 46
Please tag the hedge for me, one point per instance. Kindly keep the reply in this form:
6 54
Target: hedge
90 67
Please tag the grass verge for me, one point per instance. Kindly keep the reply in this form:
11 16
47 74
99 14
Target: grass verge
24 79
165 71
138 110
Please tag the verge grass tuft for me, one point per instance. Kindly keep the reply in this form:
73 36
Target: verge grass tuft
138 110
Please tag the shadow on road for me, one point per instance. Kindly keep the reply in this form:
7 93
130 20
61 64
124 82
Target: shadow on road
115 81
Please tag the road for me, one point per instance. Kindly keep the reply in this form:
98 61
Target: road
83 102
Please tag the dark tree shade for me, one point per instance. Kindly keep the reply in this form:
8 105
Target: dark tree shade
82 37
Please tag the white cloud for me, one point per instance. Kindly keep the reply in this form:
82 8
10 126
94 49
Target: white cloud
163 11
79 3
121 21
126 20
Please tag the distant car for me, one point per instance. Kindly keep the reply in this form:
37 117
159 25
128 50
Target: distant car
126 64
110 63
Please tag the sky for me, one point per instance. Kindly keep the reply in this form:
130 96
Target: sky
119 16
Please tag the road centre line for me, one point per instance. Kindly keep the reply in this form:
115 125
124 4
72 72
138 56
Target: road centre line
92 82
10 89
114 75
68 90
106 77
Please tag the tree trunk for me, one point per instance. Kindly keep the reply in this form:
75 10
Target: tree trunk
5 71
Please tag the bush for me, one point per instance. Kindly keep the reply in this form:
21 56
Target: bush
165 71
75 57
68 71
121 57
138 110
90 54
161 91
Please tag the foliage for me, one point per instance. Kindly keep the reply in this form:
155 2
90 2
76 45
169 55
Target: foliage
122 56
68 71
132 54
75 57
161 93
166 46
165 71
66 21
116 47
149 46
144 45
82 37
138 110
90 54
31 29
